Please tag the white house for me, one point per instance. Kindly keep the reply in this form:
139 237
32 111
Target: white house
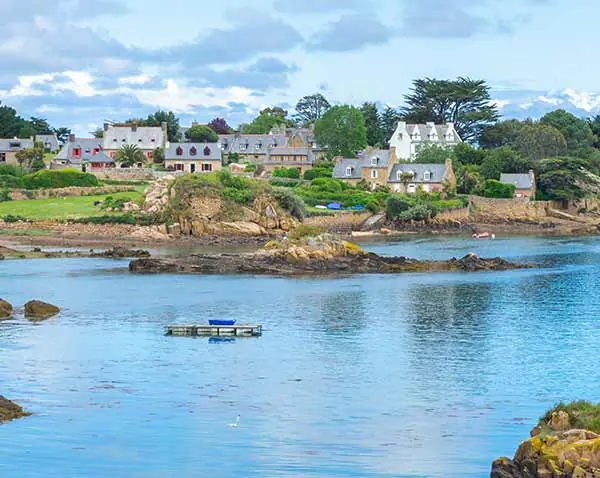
409 138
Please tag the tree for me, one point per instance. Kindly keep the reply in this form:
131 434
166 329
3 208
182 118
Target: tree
311 109
433 154
99 133
158 156
594 124
373 124
576 131
10 122
466 154
266 121
40 125
464 102
342 131
468 179
538 141
220 126
566 178
62 134
503 160
129 155
32 158
389 121
503 133
495 189
160 117
201 134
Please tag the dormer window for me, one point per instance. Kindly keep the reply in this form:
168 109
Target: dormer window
207 151
193 151
258 146
400 136
427 176
349 171
76 152
374 161
14 144
179 151
243 147
399 174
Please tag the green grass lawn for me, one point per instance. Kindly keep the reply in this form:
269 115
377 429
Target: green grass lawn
63 208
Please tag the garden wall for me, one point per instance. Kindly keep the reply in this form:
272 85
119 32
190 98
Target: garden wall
508 208
20 194
124 174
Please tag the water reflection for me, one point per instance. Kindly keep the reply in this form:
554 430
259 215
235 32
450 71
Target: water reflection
343 312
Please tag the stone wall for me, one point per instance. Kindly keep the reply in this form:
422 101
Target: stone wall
508 208
20 194
460 214
339 222
124 174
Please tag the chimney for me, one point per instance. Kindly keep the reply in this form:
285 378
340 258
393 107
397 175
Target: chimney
338 159
106 126
71 138
532 177
134 127
448 163
163 126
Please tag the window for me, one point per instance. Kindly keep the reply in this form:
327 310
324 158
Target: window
123 140
2 157
349 171
243 147
179 167
96 151
399 174
374 173
76 152
193 151
179 151
206 151
149 154
140 140
14 144
206 167
427 176
374 161
412 188
153 140
258 146
114 140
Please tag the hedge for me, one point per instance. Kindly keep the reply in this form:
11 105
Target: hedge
7 181
495 189
292 173
60 178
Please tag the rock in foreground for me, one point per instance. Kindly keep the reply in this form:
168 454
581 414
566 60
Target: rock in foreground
38 310
5 309
555 450
10 410
324 254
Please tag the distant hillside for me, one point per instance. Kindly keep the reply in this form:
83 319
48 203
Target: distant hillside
534 104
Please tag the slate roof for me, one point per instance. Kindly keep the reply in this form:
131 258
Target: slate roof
437 171
520 181
290 151
254 143
339 171
13 145
376 158
49 141
144 137
432 133
187 152
87 146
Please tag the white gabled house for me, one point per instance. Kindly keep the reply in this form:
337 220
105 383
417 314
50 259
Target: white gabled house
409 138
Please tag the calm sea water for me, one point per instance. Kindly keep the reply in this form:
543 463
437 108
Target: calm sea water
420 375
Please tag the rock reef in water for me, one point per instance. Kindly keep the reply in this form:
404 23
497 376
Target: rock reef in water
10 410
38 310
5 309
558 447
324 254
119 252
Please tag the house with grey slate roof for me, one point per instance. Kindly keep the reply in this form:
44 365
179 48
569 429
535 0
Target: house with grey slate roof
372 165
48 141
10 147
193 157
251 148
299 157
146 138
82 153
409 177
524 184
408 139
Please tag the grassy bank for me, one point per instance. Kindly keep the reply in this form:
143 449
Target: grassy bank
63 208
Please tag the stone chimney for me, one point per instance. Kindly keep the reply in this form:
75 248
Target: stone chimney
393 156
106 126
532 177
163 126
71 138
338 159
134 127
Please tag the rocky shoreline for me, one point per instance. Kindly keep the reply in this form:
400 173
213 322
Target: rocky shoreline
322 255
9 410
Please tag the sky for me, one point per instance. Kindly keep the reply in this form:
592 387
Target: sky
80 62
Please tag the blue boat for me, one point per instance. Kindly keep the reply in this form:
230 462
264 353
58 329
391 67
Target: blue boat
334 206
221 323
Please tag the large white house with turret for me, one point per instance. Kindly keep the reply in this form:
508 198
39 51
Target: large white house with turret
408 139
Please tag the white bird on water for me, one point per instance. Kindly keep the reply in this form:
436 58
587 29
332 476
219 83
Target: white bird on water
236 424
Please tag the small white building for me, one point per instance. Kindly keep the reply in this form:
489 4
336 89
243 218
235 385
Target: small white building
409 138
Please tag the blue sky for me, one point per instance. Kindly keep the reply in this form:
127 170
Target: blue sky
78 62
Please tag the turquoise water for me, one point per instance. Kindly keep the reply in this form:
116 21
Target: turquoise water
420 375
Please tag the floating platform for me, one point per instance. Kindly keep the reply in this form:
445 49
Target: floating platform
215 330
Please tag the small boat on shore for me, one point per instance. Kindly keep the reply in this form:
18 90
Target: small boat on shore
484 235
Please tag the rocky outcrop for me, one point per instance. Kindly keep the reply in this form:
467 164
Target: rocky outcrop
10 410
38 310
119 252
157 195
325 254
5 309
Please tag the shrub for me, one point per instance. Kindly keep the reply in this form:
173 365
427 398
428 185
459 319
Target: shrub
394 207
290 202
4 195
582 415
112 203
11 170
304 230
242 196
287 173
419 212
284 182
11 218
131 219
7 181
315 173
250 168
373 206
326 185
495 189
60 178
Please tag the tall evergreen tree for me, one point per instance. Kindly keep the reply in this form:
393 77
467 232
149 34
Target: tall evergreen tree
389 122
373 124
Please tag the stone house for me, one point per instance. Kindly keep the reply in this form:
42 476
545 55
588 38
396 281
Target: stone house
372 166
193 157
82 153
252 148
146 138
432 178
10 147
524 184
408 139
48 141
298 157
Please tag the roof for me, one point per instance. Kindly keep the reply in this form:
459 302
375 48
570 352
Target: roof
437 172
375 158
339 171
144 137
520 181
87 147
290 151
50 141
432 132
250 143
8 145
187 152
